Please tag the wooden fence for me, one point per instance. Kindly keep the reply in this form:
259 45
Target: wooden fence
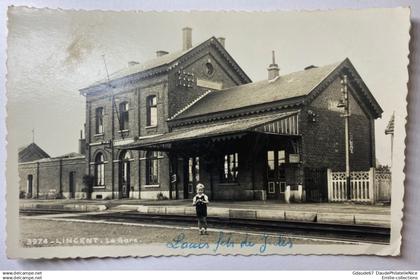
365 186
382 186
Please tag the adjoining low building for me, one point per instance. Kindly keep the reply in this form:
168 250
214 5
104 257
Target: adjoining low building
44 177
156 129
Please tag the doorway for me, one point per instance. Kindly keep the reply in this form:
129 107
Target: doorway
29 186
124 175
316 184
191 176
71 184
276 174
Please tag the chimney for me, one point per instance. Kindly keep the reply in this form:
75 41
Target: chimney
132 63
161 53
273 68
186 38
82 144
222 41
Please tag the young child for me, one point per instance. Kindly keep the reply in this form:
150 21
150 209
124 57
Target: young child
200 202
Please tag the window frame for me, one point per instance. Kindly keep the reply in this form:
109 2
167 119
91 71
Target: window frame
124 114
125 158
99 169
152 113
99 121
230 168
152 168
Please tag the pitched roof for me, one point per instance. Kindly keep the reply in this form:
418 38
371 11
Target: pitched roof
290 87
147 65
68 156
168 61
284 87
31 152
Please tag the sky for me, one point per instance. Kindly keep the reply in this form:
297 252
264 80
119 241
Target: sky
52 54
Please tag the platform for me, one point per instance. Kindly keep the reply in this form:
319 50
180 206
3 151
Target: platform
331 213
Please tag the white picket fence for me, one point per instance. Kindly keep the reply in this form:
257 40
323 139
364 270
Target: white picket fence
362 184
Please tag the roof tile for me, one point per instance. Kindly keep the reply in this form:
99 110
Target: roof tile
284 87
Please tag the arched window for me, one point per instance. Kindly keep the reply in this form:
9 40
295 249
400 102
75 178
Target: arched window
123 115
151 110
99 170
152 168
99 120
125 166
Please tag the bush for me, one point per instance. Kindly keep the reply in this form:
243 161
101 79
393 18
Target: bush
160 196
22 194
88 181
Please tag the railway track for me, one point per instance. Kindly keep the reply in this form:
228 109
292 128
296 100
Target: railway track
339 232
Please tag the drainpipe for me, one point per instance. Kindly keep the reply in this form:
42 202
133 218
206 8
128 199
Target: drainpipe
37 180
61 177
112 145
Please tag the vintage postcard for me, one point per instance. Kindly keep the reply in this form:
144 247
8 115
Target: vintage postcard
184 133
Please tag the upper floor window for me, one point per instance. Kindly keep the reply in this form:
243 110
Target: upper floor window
151 110
230 168
99 120
123 115
99 170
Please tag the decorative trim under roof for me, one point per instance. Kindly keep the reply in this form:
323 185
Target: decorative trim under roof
189 105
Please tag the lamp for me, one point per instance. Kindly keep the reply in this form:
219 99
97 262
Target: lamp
311 116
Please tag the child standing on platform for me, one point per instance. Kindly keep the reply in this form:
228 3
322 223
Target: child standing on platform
200 202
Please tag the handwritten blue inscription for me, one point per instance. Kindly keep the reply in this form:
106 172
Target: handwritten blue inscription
226 241
179 242
280 241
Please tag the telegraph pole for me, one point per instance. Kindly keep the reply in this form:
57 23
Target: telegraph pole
111 142
346 105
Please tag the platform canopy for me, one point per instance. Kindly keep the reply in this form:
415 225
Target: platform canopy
285 123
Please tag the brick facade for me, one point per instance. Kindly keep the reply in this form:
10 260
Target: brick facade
51 177
171 98
323 140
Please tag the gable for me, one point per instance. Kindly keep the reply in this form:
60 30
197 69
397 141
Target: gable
360 93
217 55
329 98
208 67
31 152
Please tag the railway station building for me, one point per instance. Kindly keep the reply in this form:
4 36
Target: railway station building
155 129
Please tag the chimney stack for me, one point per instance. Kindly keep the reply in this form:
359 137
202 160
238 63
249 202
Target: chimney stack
161 53
273 68
222 41
82 144
186 38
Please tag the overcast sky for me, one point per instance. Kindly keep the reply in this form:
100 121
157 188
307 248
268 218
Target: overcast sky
54 53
